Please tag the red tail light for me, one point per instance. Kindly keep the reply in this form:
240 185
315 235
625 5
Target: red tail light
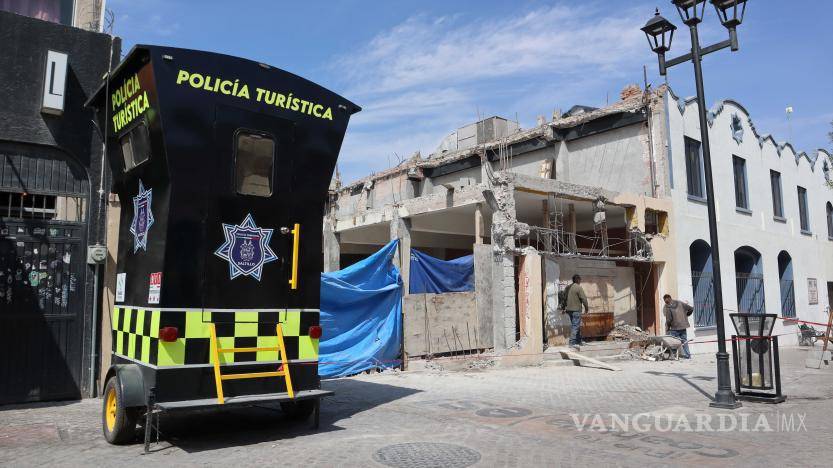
315 332
168 334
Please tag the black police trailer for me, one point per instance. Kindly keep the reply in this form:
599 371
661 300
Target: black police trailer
222 166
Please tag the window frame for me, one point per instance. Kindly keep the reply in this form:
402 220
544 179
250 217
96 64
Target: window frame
828 208
701 179
777 214
261 133
128 134
742 185
803 210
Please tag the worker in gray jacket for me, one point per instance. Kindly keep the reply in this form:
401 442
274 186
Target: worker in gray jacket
576 299
676 320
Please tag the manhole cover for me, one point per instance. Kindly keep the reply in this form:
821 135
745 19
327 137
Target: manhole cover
426 455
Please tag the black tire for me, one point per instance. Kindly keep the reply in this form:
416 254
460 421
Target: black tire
298 410
120 428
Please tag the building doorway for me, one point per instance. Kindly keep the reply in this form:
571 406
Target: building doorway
43 229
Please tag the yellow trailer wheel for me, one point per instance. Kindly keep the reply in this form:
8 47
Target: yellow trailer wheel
119 423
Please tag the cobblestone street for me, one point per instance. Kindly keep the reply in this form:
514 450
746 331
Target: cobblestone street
497 417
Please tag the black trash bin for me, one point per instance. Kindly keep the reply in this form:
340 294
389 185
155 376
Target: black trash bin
755 356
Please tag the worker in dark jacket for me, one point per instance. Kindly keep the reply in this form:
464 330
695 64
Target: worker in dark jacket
576 299
676 320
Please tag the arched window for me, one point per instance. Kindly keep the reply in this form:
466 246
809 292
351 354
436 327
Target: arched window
702 283
830 220
749 279
785 276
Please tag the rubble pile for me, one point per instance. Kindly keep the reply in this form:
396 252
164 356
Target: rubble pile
655 348
625 332
480 364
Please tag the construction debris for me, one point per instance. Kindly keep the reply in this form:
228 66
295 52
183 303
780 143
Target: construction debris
480 364
656 348
624 332
582 360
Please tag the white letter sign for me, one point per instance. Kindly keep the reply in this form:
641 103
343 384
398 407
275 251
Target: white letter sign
54 82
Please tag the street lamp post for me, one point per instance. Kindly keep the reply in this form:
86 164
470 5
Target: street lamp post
660 32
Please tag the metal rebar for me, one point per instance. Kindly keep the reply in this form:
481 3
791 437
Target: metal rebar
458 340
468 337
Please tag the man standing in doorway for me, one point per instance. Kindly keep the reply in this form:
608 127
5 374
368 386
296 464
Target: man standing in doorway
576 299
676 320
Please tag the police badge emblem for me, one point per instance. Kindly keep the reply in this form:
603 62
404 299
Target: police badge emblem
142 218
246 248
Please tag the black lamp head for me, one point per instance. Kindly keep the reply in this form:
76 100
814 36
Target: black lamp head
660 33
691 11
730 12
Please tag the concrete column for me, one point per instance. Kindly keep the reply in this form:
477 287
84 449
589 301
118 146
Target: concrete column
478 224
332 248
504 225
503 295
401 229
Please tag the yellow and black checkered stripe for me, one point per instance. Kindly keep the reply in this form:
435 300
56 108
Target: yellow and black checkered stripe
136 332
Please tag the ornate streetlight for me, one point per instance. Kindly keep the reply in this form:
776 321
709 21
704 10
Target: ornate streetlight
691 13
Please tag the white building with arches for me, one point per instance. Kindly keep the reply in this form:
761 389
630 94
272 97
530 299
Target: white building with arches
775 221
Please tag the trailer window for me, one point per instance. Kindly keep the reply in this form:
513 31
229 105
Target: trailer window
135 146
254 158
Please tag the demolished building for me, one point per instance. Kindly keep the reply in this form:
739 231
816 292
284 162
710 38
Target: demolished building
580 191
590 192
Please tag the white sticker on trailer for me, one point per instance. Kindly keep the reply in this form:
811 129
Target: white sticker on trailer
121 281
155 289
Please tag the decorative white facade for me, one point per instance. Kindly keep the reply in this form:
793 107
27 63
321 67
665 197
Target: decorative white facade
755 230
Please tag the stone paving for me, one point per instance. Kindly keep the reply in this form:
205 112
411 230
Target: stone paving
534 416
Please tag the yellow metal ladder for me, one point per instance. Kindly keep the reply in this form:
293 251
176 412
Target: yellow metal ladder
283 369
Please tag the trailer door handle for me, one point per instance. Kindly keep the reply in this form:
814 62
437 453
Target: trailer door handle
296 237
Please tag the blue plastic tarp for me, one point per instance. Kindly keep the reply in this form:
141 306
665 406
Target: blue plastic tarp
361 314
432 275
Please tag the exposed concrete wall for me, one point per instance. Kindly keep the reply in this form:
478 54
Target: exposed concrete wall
503 301
505 228
470 195
401 229
332 249
441 323
434 184
483 262
616 160
88 14
414 325
530 163
609 289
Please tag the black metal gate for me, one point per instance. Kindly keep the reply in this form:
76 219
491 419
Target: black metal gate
703 286
42 278
750 291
